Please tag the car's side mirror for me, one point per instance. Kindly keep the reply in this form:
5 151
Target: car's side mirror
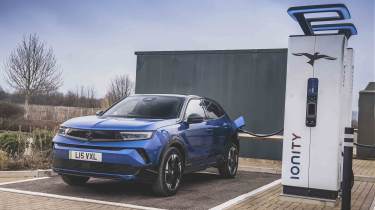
99 113
194 118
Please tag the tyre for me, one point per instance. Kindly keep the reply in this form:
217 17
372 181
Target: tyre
170 173
228 167
74 180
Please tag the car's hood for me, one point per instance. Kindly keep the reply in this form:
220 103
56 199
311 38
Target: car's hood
115 123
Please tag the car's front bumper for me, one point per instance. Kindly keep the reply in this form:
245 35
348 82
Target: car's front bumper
126 163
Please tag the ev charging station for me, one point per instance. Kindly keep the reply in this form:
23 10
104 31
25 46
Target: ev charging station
317 102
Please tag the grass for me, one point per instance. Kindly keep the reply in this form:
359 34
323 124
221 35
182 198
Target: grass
26 150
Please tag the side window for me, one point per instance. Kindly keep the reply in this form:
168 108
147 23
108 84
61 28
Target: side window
213 111
195 107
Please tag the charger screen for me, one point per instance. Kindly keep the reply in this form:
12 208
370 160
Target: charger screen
311 109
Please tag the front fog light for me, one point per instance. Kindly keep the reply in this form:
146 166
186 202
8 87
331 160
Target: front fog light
136 135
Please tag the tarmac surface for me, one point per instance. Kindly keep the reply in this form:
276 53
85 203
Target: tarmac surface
198 190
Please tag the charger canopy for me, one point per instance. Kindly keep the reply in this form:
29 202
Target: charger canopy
340 12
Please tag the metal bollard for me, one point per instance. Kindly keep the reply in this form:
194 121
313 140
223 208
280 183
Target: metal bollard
347 169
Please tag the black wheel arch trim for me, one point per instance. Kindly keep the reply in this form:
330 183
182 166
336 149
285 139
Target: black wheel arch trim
175 142
235 139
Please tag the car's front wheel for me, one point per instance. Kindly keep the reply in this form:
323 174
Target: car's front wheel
170 173
74 180
228 167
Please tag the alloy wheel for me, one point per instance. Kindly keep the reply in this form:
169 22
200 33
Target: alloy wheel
232 160
173 172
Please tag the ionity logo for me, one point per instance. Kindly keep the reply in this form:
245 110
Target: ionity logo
296 156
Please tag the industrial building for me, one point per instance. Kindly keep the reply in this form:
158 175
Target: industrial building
245 82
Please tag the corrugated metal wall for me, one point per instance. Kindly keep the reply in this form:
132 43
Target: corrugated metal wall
245 82
366 121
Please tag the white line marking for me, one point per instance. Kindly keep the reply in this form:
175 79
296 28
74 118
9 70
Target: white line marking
23 180
242 197
259 169
76 199
207 172
373 204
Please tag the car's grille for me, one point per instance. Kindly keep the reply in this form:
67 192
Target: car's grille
94 135
94 167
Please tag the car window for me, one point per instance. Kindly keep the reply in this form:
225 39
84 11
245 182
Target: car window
213 111
147 106
195 107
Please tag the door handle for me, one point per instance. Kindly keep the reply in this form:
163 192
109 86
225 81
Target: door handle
225 125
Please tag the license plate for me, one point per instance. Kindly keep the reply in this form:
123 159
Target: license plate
86 156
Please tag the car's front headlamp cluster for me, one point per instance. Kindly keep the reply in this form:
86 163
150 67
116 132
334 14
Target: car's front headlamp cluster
136 135
63 130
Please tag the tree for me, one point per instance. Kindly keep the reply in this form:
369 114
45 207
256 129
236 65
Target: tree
3 94
120 87
85 97
31 69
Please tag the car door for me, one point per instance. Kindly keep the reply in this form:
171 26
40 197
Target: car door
196 135
218 124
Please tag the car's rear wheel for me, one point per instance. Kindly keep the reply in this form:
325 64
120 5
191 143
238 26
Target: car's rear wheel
170 173
228 167
74 180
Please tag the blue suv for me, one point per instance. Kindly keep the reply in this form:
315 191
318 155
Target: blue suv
151 138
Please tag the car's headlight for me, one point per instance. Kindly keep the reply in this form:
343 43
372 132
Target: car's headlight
63 130
136 135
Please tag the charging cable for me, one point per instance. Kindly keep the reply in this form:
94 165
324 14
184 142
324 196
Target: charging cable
365 145
261 135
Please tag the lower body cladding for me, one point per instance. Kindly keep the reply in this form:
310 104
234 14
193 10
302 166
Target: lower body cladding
115 163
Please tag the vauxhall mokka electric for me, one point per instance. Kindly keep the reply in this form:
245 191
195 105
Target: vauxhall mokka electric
149 138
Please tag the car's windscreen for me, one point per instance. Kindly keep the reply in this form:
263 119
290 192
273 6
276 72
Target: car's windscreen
149 107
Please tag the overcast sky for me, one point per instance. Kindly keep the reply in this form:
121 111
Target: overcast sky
95 40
